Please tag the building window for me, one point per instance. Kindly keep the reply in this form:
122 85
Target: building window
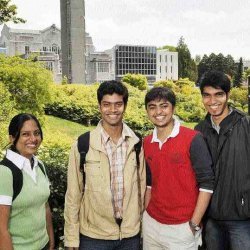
103 67
55 48
160 58
166 69
166 58
27 50
49 65
171 58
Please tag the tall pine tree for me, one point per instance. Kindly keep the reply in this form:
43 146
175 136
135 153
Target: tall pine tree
186 65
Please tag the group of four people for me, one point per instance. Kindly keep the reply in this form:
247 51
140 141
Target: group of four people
183 183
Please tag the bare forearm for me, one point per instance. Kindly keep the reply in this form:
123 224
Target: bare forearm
201 206
5 241
49 225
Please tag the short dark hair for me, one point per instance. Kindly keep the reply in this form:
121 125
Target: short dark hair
160 93
110 88
216 79
16 125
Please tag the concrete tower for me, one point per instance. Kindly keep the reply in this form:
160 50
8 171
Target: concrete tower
73 40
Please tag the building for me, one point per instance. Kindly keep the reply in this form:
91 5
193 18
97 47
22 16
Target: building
246 64
167 65
110 64
73 40
45 43
134 59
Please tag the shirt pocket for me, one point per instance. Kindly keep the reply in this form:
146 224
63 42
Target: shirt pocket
93 176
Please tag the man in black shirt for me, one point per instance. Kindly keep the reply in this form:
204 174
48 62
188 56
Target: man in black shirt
227 133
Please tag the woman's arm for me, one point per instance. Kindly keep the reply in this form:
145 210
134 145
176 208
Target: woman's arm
49 225
5 238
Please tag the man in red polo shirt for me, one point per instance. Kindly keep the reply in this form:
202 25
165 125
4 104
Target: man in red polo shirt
179 178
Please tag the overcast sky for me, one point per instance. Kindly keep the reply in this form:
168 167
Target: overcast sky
219 26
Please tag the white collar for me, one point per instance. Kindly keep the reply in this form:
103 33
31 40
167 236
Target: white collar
23 163
175 131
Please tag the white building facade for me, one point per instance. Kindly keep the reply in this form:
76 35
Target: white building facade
167 65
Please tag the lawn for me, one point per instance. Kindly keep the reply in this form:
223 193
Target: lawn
66 129
69 131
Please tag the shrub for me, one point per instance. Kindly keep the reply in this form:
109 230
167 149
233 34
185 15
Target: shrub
28 82
54 154
6 112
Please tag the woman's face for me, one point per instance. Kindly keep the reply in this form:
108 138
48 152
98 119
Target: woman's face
29 139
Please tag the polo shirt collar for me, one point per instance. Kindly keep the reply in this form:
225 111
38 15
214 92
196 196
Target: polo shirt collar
174 133
23 163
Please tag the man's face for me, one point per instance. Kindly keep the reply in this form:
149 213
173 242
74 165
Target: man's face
160 112
112 109
215 101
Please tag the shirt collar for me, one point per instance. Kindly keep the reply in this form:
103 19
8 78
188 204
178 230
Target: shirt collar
217 127
105 136
174 133
19 160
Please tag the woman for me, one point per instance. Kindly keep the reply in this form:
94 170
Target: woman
25 218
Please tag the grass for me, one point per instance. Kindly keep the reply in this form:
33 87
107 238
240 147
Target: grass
66 129
69 131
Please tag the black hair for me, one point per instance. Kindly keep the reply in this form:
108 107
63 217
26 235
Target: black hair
110 88
216 79
160 93
16 125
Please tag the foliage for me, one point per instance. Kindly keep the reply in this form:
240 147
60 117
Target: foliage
168 47
189 104
55 158
136 80
238 97
167 83
28 83
6 112
8 12
74 102
79 103
238 78
216 62
186 65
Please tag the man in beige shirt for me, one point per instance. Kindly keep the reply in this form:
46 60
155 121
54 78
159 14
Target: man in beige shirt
105 212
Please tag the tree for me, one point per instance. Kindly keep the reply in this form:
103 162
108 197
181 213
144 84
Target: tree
186 65
238 78
169 47
8 12
216 62
136 80
28 83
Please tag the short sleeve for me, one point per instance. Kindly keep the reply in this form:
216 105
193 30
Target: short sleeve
6 186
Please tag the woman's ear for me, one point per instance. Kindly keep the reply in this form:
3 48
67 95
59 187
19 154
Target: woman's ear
11 139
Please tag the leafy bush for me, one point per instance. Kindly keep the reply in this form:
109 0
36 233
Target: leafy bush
6 112
28 82
136 80
238 97
54 154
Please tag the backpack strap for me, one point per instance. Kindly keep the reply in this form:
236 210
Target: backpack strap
17 176
83 148
137 148
42 167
